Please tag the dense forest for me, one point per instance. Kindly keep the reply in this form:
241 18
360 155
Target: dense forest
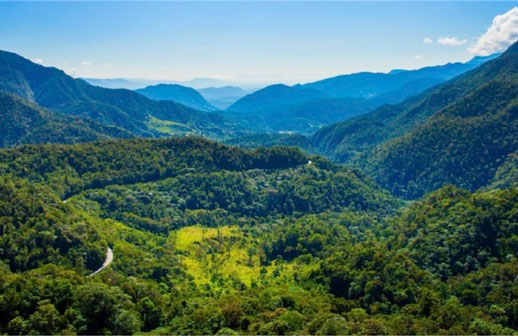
400 220
211 239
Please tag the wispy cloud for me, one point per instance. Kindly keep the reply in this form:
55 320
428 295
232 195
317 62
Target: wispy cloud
418 57
37 61
86 63
451 41
501 34
427 40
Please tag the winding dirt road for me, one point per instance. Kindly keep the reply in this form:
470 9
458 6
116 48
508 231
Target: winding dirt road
107 261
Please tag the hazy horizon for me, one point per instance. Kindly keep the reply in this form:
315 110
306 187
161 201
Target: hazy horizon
252 43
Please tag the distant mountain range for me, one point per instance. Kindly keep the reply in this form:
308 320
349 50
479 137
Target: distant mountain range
463 131
459 132
120 83
371 85
137 115
137 83
306 108
177 93
217 92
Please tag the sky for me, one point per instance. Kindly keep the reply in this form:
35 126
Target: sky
252 42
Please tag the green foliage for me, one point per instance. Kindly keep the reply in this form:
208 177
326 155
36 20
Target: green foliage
71 169
53 89
506 175
225 197
35 228
211 239
454 232
25 122
457 133
271 140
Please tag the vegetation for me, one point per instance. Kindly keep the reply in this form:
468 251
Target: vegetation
463 143
210 239
53 89
213 239
24 122
177 93
309 107
272 140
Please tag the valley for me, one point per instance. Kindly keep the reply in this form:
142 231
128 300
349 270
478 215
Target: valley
366 203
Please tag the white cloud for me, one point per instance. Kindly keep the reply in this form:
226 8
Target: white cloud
501 34
451 41
418 57
86 63
37 61
427 40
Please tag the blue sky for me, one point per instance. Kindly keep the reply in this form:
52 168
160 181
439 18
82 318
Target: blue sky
256 42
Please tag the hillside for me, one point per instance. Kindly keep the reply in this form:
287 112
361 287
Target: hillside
343 141
309 107
306 117
273 96
467 137
176 183
272 140
249 241
25 122
53 89
179 94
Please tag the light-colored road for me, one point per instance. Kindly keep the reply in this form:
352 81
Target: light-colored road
107 261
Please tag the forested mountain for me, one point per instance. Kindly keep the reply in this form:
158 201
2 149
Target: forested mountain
274 96
213 239
472 130
53 89
306 117
272 140
306 108
23 122
345 140
179 94
222 97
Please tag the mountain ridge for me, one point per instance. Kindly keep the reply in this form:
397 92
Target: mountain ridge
53 89
179 94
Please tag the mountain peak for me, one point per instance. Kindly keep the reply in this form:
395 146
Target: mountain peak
177 93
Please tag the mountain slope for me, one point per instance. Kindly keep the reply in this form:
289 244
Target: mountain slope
274 96
53 89
295 109
272 140
452 231
24 122
117 83
179 94
305 117
342 141
470 132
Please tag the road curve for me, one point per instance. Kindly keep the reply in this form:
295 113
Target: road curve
107 261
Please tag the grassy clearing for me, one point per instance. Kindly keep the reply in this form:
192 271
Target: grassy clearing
223 253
